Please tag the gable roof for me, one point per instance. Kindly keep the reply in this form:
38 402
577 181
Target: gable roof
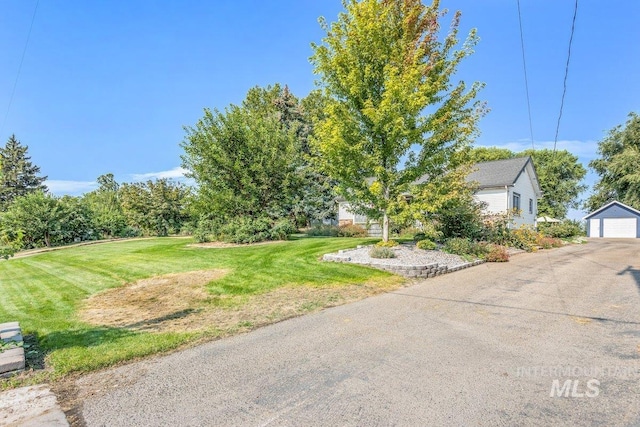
498 173
615 202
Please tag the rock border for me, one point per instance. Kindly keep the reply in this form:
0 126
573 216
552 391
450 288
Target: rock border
12 361
412 271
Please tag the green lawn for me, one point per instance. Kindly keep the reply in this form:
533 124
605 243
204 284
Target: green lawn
43 292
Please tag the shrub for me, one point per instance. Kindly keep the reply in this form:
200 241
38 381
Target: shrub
548 242
431 231
282 229
388 244
495 229
458 246
460 218
381 252
563 230
351 230
426 244
496 253
462 246
206 229
524 238
323 230
419 236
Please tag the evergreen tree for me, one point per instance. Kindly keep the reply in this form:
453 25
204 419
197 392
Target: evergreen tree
18 175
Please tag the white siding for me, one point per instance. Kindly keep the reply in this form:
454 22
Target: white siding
495 198
524 187
343 211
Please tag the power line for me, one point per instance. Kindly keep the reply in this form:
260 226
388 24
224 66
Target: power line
526 80
566 72
15 83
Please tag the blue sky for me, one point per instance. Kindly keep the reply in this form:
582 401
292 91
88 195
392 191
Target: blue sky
108 86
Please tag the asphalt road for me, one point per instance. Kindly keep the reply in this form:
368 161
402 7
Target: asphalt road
491 345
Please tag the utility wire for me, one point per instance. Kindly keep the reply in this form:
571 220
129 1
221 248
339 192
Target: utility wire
526 80
15 83
566 72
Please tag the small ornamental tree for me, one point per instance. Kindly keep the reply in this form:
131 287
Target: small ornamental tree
392 112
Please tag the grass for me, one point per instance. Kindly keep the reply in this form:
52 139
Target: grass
46 292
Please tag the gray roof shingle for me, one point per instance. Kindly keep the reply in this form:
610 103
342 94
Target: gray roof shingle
498 173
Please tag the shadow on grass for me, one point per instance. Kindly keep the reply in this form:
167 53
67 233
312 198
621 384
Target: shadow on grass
149 323
83 337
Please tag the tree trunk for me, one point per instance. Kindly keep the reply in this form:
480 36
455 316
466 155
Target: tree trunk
385 227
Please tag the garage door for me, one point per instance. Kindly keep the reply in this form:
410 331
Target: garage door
619 227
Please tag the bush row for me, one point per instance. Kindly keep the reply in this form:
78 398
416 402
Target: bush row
348 230
243 230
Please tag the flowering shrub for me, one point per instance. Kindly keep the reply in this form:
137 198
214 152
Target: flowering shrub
496 253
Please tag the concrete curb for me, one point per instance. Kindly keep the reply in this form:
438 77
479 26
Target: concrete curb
11 360
33 406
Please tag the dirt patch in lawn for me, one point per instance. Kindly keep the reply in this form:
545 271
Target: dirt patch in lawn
150 303
181 303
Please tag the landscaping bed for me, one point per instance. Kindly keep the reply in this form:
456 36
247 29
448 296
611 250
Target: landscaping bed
408 261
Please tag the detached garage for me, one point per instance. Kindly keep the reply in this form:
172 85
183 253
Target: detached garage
614 220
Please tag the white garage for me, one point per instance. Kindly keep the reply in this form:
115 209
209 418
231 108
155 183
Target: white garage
614 220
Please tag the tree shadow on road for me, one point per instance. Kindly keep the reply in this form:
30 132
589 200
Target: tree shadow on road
634 272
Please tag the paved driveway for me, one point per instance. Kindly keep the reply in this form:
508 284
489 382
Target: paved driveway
484 346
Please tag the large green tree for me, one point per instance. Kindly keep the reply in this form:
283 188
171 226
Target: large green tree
561 176
34 218
618 166
156 207
245 158
393 113
104 205
18 175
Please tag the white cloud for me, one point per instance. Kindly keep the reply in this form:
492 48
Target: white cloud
61 188
175 173
586 150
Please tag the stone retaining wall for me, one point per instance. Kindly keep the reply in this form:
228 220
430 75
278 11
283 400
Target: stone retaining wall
11 360
424 271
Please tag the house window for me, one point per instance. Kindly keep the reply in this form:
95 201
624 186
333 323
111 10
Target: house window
530 206
516 201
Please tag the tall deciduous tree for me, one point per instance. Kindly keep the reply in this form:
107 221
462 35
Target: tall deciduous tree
618 166
243 159
105 208
35 218
18 175
393 113
561 175
157 207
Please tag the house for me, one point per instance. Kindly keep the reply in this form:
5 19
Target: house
503 185
614 219
506 185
